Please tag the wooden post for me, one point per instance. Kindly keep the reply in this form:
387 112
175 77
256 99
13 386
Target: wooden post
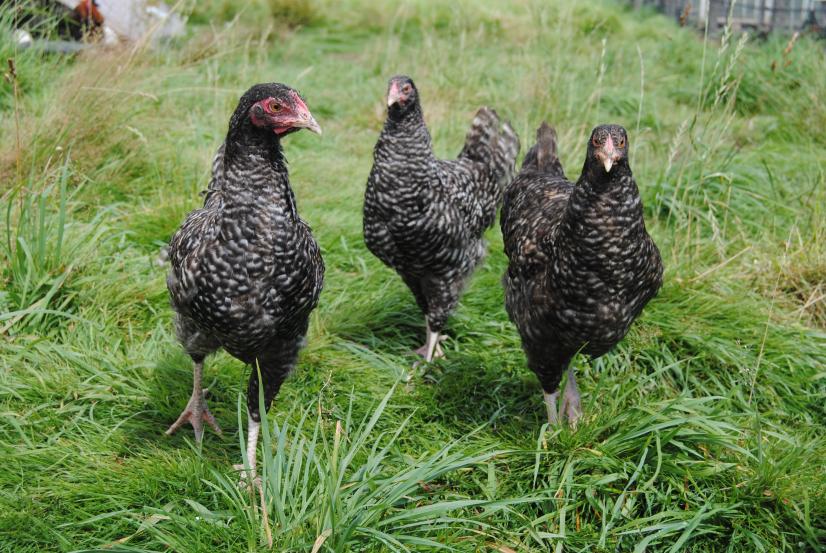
780 15
762 17
717 12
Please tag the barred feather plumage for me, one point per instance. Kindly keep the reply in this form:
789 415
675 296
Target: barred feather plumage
246 270
424 217
582 265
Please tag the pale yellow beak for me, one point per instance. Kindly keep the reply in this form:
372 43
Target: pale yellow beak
308 122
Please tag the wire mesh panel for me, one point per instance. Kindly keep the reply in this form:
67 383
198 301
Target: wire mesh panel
762 16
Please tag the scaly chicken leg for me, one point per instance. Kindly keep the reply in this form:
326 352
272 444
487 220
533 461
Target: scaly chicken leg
571 402
196 411
571 407
431 349
249 476
551 408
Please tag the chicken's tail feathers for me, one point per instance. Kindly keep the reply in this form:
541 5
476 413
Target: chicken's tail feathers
543 156
493 142
509 148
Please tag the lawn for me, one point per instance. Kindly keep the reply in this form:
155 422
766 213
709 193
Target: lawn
704 430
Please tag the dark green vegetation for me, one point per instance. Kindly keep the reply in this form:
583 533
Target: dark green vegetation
704 430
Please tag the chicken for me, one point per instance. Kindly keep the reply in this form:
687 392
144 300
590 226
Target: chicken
424 217
582 265
246 270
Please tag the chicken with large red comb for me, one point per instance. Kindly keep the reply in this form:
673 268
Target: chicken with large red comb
246 270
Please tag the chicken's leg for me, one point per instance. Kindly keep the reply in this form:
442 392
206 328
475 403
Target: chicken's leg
431 349
248 474
550 406
571 402
196 411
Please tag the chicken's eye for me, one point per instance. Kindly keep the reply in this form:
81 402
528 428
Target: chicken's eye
406 89
275 107
595 141
621 142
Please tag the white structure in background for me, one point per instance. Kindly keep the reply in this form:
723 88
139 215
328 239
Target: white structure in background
23 38
133 19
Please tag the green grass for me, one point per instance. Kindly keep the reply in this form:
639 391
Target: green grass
704 430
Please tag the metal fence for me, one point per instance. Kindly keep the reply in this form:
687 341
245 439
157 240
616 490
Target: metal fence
760 16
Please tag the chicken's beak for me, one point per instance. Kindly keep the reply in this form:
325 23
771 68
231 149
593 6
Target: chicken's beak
304 119
308 122
608 155
394 95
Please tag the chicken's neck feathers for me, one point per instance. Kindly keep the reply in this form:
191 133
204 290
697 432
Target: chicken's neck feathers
407 135
404 154
244 138
604 218
255 185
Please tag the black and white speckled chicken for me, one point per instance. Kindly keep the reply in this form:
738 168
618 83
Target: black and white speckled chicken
582 265
424 217
246 271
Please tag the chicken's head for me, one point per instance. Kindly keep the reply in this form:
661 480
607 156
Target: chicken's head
608 147
402 95
276 107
